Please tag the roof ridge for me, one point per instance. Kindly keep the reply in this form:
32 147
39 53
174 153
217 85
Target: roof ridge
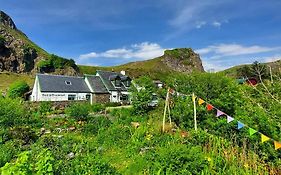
59 75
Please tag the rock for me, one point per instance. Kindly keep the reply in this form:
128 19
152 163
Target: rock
182 60
71 128
6 20
20 55
135 124
70 155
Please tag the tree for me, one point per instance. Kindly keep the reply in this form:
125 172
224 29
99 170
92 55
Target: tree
18 89
142 94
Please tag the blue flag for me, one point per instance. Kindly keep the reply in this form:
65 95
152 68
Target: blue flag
240 125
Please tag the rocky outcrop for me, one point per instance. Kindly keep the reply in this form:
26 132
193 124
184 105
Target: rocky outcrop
19 54
7 21
182 60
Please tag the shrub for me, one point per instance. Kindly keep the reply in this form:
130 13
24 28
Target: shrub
45 107
18 89
112 104
12 112
78 110
94 124
97 107
45 65
142 94
21 166
26 134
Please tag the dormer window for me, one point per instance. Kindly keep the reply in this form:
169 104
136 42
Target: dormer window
127 83
117 82
68 82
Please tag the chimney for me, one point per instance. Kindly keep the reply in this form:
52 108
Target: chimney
123 72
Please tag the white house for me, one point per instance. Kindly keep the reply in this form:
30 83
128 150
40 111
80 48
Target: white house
103 87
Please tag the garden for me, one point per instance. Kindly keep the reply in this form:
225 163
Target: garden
88 139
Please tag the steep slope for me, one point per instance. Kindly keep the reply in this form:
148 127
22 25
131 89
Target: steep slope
20 55
183 60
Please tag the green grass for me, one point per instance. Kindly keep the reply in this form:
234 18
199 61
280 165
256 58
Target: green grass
154 68
7 78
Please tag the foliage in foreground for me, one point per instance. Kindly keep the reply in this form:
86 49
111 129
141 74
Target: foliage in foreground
110 144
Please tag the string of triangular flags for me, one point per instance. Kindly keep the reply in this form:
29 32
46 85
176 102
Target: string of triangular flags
240 125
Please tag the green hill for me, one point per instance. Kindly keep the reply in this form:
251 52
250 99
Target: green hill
182 60
247 69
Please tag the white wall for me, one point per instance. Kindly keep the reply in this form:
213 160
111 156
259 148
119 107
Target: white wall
56 96
114 97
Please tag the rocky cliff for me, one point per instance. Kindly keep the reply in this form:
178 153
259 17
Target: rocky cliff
19 54
182 60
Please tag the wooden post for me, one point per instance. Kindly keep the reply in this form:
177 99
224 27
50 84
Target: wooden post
169 112
270 71
165 110
194 108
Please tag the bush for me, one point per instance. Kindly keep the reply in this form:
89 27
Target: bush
142 94
12 112
112 104
94 124
18 89
78 110
45 107
26 134
97 107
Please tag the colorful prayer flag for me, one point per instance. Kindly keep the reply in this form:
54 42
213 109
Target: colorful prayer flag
201 101
252 131
229 119
240 125
209 107
277 145
219 113
264 138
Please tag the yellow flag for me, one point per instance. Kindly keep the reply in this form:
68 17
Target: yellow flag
264 138
201 101
277 145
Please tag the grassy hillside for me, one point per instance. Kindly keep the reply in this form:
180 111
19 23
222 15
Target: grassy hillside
7 78
236 71
154 68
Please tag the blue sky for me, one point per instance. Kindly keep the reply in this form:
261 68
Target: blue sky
111 32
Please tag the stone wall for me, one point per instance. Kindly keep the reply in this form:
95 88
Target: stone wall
101 98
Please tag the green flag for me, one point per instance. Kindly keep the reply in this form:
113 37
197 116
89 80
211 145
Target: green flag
252 131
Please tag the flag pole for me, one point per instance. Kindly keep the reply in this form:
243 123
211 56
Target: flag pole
194 108
165 110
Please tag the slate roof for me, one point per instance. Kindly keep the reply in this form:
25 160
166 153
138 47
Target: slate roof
57 83
106 76
97 84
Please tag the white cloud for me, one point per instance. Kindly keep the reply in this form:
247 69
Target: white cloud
234 49
200 24
222 56
142 51
216 24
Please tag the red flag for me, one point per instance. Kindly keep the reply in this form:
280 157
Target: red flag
209 107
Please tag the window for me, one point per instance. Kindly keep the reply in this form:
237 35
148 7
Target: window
124 97
128 83
88 97
68 82
71 97
117 83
